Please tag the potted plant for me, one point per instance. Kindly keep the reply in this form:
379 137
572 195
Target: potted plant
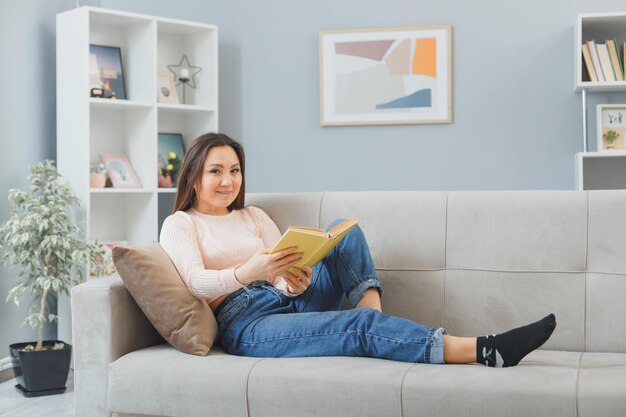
168 173
51 254
610 137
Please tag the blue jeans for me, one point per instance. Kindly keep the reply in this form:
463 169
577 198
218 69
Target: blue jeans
258 320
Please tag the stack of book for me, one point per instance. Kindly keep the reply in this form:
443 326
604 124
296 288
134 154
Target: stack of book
603 60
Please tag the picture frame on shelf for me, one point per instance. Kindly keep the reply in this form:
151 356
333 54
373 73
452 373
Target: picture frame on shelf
120 171
106 73
171 152
105 264
166 89
386 76
611 127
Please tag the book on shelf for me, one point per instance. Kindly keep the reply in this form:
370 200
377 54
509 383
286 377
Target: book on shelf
589 63
596 60
616 63
624 58
605 61
313 243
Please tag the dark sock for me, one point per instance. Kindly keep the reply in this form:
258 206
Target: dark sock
507 349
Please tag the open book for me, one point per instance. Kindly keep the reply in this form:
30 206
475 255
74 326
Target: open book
313 243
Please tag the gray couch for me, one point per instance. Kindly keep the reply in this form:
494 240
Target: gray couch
472 262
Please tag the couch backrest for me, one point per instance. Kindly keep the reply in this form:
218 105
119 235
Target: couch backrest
483 262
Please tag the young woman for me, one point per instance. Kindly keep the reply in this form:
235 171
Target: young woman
221 249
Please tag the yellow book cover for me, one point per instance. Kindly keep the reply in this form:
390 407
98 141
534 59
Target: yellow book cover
313 243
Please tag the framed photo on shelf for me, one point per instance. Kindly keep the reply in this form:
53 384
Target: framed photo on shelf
166 89
103 266
171 152
120 171
106 74
611 121
386 76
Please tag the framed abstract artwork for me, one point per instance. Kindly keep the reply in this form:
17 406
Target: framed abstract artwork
386 76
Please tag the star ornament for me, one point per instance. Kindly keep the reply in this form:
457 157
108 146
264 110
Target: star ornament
185 72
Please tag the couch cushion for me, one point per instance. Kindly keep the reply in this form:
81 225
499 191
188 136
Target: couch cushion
151 278
161 381
607 231
543 385
404 230
289 209
602 385
606 310
540 231
415 295
326 386
484 302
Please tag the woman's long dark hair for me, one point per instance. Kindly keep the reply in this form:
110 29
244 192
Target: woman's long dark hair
193 166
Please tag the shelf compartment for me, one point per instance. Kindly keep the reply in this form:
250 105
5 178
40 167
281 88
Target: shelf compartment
135 36
601 170
189 123
123 216
598 27
199 43
128 131
166 203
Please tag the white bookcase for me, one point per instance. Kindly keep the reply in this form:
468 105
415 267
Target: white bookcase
87 127
607 169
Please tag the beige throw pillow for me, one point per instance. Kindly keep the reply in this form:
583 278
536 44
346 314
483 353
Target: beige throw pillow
185 322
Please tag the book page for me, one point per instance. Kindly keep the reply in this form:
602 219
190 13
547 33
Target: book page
342 227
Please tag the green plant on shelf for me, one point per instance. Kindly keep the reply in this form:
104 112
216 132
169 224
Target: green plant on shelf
610 136
173 165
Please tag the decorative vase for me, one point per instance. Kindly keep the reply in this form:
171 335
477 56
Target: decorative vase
165 182
97 179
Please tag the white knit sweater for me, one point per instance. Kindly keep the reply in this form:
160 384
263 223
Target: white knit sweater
206 249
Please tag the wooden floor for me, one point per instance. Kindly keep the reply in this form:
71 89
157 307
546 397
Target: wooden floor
14 404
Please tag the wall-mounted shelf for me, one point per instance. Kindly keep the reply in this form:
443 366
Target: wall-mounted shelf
597 170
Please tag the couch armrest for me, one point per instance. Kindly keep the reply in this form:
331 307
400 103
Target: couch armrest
106 324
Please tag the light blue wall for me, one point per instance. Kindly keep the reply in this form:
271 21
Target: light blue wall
517 123
28 123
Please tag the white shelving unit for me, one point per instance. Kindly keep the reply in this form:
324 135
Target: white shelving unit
598 170
88 126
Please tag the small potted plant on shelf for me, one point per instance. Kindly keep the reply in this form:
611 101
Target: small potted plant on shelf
168 172
610 137
51 254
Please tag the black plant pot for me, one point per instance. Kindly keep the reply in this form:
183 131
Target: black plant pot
41 373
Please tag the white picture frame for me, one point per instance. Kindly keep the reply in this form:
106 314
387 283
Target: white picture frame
386 76
611 117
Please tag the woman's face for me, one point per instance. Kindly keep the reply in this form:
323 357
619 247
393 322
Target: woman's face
220 181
